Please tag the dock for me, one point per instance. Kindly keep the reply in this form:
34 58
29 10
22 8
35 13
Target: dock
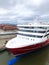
7 32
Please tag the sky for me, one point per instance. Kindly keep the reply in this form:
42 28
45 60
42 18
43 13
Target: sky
24 11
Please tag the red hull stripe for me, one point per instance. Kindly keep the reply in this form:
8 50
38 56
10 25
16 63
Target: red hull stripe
26 49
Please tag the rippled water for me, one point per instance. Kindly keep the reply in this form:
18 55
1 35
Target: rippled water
40 57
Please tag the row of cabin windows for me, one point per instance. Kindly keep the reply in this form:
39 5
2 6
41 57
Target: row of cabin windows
27 38
32 31
30 35
32 27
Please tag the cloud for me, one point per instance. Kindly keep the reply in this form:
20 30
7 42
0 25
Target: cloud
23 10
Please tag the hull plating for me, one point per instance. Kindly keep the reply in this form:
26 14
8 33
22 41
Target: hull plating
26 49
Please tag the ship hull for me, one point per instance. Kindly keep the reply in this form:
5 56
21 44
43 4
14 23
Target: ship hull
26 49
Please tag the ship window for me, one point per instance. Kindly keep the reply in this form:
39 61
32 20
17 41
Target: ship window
25 27
31 39
43 27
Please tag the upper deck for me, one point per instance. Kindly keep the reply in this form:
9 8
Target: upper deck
35 24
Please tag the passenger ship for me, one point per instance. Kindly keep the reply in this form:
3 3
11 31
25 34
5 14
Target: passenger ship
29 38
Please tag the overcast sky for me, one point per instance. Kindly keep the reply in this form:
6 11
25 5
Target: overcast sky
23 11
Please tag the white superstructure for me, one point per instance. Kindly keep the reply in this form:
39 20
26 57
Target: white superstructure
32 33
